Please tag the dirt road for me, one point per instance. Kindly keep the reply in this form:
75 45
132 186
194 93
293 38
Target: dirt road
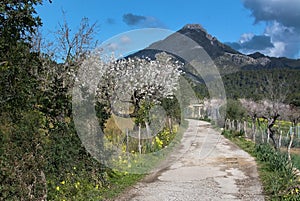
206 167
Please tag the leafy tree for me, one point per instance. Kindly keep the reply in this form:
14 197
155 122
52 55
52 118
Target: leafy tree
18 65
18 21
22 161
234 110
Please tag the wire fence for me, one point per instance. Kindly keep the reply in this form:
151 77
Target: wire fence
257 132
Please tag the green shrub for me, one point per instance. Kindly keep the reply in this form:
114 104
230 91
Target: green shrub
278 175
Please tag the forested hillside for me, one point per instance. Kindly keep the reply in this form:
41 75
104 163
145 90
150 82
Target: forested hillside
255 84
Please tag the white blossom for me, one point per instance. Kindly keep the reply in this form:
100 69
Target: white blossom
131 80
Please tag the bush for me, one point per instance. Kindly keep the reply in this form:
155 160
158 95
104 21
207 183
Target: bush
278 174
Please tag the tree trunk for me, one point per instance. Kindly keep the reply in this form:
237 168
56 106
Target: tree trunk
148 130
273 139
271 133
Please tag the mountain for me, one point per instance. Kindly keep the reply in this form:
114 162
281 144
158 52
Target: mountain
244 76
224 57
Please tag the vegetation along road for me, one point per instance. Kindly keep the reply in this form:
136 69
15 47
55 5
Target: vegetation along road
206 167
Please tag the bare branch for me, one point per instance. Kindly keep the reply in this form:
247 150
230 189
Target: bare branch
73 46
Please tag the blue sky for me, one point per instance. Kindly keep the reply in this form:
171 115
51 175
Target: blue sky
244 24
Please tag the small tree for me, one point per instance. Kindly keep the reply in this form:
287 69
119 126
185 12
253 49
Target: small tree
273 106
135 80
271 111
72 47
235 110
253 109
292 113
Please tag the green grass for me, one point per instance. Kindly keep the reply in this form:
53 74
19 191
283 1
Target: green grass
119 184
296 160
240 141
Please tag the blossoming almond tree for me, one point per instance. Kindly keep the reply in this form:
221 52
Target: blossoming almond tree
253 109
266 109
125 85
133 82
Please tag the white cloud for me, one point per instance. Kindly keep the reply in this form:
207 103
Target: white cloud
279 49
286 40
246 37
282 18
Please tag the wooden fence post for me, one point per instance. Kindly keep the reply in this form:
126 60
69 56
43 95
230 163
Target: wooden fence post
245 128
290 143
238 126
140 146
127 141
280 138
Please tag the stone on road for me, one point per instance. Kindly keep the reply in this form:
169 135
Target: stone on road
205 167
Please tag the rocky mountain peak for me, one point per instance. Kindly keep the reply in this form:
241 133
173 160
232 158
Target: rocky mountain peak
194 27
226 59
210 43
197 28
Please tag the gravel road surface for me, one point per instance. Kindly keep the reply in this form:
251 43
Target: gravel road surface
205 167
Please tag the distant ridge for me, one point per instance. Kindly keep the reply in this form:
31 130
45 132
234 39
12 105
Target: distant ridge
225 58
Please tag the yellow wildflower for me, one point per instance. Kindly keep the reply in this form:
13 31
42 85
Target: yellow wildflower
77 184
51 125
57 188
